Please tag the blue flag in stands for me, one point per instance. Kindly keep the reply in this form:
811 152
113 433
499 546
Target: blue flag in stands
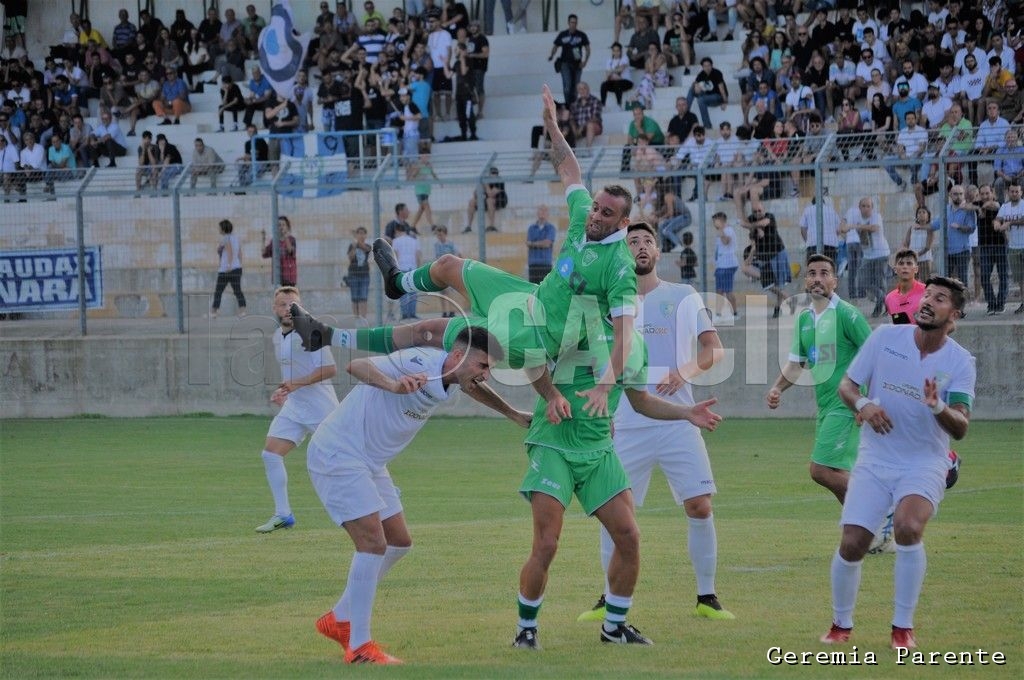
281 49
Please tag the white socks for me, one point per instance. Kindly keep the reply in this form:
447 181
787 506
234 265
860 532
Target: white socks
845 584
360 592
908 577
607 548
277 477
702 543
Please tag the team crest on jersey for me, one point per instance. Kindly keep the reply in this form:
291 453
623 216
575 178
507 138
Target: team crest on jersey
565 267
942 379
589 257
666 309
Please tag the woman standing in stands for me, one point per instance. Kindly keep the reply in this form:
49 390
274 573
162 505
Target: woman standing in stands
229 270
286 251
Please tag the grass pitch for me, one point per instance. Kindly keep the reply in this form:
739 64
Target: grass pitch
127 550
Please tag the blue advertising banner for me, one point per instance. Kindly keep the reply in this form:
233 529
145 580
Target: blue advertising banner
47 280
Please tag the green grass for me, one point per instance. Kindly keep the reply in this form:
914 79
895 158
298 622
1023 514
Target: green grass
127 550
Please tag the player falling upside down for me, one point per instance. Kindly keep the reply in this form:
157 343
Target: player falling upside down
569 439
348 457
673 318
920 389
305 396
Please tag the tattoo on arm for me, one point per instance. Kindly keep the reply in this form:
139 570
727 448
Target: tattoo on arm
559 152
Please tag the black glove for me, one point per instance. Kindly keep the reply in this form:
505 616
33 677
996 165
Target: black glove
314 333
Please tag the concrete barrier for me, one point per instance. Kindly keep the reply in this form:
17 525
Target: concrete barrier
227 367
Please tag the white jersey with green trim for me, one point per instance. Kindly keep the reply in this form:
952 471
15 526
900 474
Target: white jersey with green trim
671 318
374 425
312 403
890 364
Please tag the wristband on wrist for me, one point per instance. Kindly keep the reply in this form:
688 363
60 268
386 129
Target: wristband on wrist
861 403
939 407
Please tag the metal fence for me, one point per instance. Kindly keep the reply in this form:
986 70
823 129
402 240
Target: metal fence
159 238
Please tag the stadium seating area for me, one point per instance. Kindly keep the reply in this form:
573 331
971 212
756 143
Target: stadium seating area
135 231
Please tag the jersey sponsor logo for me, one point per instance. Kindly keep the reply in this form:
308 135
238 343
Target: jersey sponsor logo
565 267
414 415
651 329
548 482
890 350
905 389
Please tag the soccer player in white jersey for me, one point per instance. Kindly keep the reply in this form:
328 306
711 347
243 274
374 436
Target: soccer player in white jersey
673 318
920 390
305 396
348 457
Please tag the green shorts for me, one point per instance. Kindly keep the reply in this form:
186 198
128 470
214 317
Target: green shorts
594 477
836 437
502 299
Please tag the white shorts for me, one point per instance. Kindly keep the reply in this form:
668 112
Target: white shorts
874 488
283 427
678 450
353 490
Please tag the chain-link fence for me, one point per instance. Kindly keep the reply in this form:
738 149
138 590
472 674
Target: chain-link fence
155 234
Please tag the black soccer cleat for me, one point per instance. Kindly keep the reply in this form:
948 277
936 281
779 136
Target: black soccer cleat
384 256
625 634
526 639
314 333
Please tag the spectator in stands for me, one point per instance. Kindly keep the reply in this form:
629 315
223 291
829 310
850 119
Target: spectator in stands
330 40
252 24
69 45
78 139
260 94
173 99
206 162
972 88
540 241
88 33
156 70
421 171
252 163
750 86
644 36
677 44
495 199
147 91
540 141
878 85
439 45
31 162
829 229
586 115
147 154
770 252
358 276
229 269
399 224
182 28
197 60
408 252
934 107
169 163
9 160
114 96
881 125
903 104
303 97
799 103
61 162
644 159
574 54
1009 164
97 71
683 122
282 118
209 31
692 154
1011 103
108 140
150 27
616 76
232 62
122 39
911 143
624 18
65 96
708 89
454 17
168 52
961 222
286 247
465 93
230 29
478 53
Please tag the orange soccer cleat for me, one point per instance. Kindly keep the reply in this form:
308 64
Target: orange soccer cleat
370 653
836 635
903 638
328 626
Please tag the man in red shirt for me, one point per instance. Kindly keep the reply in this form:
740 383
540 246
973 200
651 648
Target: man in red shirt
902 302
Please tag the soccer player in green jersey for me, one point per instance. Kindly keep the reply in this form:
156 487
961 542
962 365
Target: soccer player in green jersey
593 277
828 335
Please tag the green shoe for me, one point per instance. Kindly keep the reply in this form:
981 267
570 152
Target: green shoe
276 522
595 614
709 607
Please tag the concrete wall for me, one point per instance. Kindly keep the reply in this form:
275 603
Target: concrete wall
233 371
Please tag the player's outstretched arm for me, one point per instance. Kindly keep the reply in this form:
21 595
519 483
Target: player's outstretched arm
562 157
364 370
326 372
700 414
485 394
